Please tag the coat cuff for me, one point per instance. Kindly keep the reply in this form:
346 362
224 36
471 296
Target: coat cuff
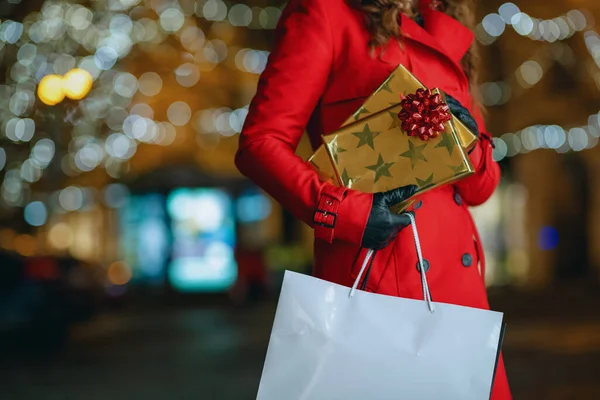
341 214
325 217
354 214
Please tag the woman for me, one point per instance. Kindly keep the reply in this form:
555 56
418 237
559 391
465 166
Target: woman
329 56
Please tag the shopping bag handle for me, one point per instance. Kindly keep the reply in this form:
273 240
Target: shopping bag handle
370 252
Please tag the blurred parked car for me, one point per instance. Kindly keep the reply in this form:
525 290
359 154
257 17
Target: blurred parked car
41 297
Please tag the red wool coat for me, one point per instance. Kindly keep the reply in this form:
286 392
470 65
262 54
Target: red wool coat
319 72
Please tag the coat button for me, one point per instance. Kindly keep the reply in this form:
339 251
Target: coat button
426 263
467 260
417 205
458 199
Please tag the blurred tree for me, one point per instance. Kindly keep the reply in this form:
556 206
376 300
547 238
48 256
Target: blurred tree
171 82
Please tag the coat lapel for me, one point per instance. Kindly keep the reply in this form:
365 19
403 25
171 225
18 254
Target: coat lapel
442 34
453 38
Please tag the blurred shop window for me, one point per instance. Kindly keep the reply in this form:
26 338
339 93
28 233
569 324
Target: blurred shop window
204 239
253 206
145 238
501 225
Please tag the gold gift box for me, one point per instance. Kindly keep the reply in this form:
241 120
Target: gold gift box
400 81
376 155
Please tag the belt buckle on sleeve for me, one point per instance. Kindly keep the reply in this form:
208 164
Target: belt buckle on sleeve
325 213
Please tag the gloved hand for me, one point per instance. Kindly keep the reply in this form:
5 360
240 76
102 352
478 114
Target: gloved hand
383 225
462 114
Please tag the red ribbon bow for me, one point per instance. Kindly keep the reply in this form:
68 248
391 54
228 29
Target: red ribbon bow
424 114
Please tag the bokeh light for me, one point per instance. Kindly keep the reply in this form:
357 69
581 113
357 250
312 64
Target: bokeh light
214 10
548 238
493 24
187 74
119 273
192 38
120 146
71 198
150 84
2 158
126 84
105 57
60 236
18 129
116 195
268 17
179 113
166 133
43 152
77 83
143 110
240 15
171 20
578 139
35 213
26 245
50 90
21 102
30 171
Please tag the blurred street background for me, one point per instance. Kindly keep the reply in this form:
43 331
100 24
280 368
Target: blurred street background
135 261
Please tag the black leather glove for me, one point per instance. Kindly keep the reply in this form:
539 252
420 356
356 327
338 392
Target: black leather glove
462 114
383 225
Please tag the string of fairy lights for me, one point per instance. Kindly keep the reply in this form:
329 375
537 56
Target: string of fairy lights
554 32
73 56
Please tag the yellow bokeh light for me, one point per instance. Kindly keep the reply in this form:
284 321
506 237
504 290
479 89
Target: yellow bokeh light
119 273
7 237
26 245
50 90
77 83
60 236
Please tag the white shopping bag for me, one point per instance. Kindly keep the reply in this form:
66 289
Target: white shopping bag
331 342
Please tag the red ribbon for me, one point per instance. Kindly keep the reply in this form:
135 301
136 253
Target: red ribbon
424 114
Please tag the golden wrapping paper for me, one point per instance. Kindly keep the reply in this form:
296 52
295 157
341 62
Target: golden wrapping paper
375 155
400 81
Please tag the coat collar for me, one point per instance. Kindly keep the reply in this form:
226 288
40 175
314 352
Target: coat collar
452 36
442 33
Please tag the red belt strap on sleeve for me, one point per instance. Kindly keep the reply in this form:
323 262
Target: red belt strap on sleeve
325 216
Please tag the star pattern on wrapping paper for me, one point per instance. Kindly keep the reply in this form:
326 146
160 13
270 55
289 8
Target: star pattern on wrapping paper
457 169
425 183
347 181
335 149
359 112
447 143
381 169
395 120
386 85
366 137
415 153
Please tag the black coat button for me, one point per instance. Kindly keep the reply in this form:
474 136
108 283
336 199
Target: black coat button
426 263
467 260
458 199
418 205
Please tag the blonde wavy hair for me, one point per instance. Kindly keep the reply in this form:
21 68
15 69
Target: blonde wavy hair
382 22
